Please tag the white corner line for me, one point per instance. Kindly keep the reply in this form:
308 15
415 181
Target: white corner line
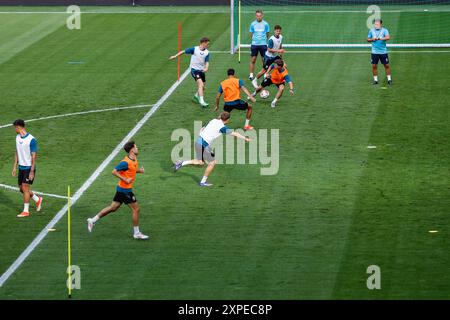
18 262
7 187
82 113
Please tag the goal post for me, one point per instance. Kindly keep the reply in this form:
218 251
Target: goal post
345 23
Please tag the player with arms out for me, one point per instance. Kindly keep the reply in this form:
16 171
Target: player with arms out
203 151
25 157
274 52
126 173
199 66
378 37
231 90
259 33
279 77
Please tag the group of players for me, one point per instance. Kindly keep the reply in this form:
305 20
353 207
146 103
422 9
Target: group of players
274 72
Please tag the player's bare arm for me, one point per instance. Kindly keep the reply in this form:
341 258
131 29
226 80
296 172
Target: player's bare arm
291 88
14 170
206 67
141 170
177 55
118 175
33 165
240 136
251 97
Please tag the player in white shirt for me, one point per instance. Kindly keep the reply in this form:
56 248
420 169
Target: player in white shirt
208 134
274 52
199 66
25 157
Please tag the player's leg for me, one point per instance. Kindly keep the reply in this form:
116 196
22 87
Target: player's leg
113 207
278 96
244 106
253 56
25 190
201 90
208 171
35 197
374 61
137 234
196 162
387 68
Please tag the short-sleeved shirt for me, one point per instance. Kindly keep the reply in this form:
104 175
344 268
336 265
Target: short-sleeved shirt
274 43
378 46
25 146
212 131
259 30
128 168
199 58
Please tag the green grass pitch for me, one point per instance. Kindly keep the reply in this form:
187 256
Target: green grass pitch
310 232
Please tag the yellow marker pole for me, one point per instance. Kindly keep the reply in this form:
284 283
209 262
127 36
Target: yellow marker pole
239 34
69 253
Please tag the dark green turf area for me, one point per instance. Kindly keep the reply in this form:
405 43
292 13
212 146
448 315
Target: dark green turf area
309 232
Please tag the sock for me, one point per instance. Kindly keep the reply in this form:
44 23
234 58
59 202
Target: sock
196 94
254 94
389 77
251 75
247 122
136 229
35 197
275 100
95 219
204 179
186 163
201 99
375 78
26 207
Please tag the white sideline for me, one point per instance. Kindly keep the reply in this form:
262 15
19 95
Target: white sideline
5 186
348 51
81 113
89 182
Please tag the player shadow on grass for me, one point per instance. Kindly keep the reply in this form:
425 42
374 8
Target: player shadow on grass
168 167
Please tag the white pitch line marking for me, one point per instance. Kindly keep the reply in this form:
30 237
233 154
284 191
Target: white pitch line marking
16 264
82 113
7 187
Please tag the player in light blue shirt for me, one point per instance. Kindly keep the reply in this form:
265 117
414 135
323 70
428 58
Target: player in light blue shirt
377 37
259 33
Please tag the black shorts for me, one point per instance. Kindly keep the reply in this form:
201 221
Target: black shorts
198 75
204 153
240 105
124 197
268 61
255 49
267 82
379 57
23 177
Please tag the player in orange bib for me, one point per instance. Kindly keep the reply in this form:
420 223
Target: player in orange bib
279 77
231 90
126 172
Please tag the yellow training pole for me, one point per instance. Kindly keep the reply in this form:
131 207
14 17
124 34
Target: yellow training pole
69 253
239 34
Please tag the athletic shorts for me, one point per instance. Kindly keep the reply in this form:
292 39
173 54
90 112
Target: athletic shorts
124 197
267 82
204 153
23 177
198 75
379 57
255 49
268 61
239 105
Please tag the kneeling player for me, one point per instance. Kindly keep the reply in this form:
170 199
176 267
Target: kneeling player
126 172
203 150
231 90
279 77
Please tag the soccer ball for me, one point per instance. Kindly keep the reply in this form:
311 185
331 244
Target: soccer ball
264 94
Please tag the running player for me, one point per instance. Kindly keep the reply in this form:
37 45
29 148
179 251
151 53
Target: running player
199 66
259 33
378 37
126 173
279 77
25 157
231 90
274 52
203 150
